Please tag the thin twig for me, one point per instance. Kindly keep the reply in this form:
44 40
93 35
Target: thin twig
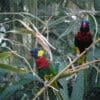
13 42
21 14
78 68
97 69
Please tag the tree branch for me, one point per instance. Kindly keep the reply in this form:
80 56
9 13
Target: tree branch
78 68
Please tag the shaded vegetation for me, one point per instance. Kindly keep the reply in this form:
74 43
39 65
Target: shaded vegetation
48 24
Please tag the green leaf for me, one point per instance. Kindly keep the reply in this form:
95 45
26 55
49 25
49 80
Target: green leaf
11 89
12 68
4 55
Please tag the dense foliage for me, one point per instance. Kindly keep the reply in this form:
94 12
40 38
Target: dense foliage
56 22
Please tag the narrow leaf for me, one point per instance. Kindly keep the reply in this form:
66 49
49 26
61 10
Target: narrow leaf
5 55
12 68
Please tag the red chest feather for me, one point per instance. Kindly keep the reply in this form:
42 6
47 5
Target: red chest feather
84 36
42 62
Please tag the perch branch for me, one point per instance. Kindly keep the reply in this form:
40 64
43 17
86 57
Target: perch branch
78 68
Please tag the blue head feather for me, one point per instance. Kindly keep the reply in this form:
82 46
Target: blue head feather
84 26
85 22
34 52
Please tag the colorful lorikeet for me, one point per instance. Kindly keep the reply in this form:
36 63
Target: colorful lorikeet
83 39
46 69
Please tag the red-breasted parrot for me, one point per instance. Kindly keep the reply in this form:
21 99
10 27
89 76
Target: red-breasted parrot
46 69
83 39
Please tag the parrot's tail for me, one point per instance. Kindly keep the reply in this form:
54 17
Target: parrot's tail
82 60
